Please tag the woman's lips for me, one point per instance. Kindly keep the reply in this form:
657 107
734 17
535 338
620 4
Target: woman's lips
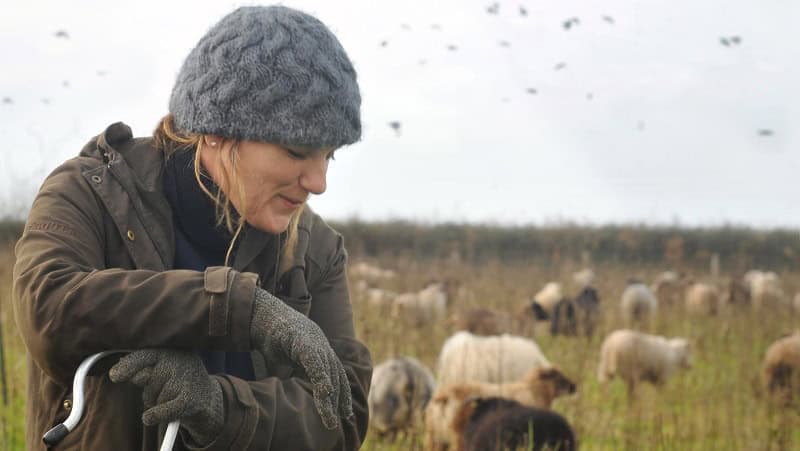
289 202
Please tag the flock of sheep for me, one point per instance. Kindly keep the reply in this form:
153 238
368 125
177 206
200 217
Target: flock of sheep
493 387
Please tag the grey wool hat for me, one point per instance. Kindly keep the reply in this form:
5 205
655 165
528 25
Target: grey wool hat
271 74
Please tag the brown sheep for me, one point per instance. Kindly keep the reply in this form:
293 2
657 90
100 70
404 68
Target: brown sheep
781 368
703 299
538 388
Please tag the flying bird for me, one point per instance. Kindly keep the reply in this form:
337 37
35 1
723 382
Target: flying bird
522 11
505 44
728 41
436 27
65 83
494 8
405 27
61 34
560 66
452 48
384 43
735 40
531 91
765 132
45 100
725 42
395 126
571 22
589 96
8 100
609 19
101 73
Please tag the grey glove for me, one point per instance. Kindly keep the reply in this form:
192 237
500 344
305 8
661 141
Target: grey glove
176 387
279 332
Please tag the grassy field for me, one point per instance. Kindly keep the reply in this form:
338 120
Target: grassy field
716 405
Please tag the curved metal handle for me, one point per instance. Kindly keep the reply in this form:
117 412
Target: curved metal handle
56 434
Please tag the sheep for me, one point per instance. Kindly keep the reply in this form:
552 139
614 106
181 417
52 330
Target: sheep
583 278
400 391
669 287
500 424
702 298
549 296
635 357
579 315
425 306
502 358
765 288
780 370
380 299
638 302
483 321
370 272
539 387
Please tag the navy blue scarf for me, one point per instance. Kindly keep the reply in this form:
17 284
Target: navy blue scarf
200 243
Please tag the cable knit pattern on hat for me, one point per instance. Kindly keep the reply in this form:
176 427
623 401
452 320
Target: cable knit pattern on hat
271 74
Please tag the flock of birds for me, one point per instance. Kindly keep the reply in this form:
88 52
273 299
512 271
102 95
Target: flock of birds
492 9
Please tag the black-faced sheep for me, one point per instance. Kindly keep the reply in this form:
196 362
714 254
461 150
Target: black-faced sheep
466 357
781 368
702 298
637 357
538 388
484 424
401 389
578 316
638 302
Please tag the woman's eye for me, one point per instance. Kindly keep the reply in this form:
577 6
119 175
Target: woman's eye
294 154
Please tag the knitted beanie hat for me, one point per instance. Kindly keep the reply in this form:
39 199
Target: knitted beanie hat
271 74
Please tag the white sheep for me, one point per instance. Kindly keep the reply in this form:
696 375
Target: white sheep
765 289
370 272
702 298
638 302
538 388
400 390
638 357
549 296
380 299
500 358
781 368
583 278
425 306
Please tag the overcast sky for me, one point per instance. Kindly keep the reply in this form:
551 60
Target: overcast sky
650 118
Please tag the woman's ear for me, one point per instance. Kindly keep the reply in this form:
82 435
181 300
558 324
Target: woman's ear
213 141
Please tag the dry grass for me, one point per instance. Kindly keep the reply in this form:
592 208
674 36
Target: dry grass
714 406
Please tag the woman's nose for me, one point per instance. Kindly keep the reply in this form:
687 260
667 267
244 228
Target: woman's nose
314 176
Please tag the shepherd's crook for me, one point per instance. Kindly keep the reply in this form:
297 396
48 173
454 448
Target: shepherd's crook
55 435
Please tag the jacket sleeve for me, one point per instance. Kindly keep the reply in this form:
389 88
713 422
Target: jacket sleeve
68 305
275 413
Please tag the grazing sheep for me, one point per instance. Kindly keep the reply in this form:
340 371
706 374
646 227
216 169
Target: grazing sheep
583 278
669 287
400 390
765 289
571 317
635 357
504 424
425 306
380 299
370 272
539 387
549 296
781 368
702 298
483 321
737 292
638 302
501 358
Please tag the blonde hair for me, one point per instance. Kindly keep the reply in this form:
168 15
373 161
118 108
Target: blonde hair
170 140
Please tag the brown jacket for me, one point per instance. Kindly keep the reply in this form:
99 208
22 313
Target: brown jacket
93 273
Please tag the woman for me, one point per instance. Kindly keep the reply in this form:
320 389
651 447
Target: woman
176 247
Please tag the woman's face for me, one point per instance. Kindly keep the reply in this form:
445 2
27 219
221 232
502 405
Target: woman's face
276 180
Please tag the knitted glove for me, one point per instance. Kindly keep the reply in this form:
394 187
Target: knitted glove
279 333
176 387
